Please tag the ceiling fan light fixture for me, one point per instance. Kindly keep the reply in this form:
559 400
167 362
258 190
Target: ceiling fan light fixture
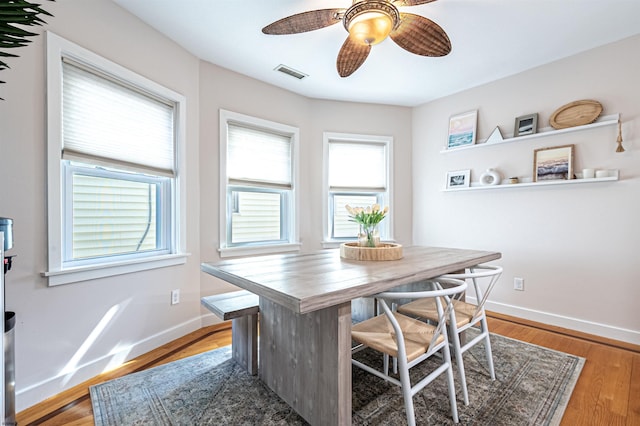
371 27
370 22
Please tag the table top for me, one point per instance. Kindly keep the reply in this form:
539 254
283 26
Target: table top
307 282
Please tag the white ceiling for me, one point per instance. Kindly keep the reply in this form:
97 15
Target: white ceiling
490 39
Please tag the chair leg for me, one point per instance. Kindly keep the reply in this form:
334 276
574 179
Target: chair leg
452 386
385 364
455 338
406 393
487 347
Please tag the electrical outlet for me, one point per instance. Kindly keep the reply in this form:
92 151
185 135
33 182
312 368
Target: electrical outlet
518 284
175 296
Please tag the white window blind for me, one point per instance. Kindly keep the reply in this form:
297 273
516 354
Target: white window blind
258 157
109 123
357 166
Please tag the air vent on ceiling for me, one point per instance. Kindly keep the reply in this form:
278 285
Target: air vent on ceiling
290 71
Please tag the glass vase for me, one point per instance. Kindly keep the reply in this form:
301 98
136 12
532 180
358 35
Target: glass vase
368 236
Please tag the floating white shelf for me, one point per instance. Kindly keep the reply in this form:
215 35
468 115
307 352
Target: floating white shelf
607 120
613 175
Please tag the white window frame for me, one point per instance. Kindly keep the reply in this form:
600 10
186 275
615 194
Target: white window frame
57 273
293 226
386 226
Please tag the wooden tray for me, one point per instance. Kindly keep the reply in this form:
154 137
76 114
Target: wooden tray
385 251
576 113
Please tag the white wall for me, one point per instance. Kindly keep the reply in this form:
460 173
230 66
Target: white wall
576 246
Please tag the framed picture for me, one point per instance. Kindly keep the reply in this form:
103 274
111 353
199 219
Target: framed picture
458 179
553 163
526 125
462 129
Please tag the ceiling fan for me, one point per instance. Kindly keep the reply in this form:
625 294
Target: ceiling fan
369 22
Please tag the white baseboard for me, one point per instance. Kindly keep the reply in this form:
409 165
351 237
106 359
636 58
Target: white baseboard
35 393
604 330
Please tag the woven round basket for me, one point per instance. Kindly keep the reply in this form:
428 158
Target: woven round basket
385 251
576 113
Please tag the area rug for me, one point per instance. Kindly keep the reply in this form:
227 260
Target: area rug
532 387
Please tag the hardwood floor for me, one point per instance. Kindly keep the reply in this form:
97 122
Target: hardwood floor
607 393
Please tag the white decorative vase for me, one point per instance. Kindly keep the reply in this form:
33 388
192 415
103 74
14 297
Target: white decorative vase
490 177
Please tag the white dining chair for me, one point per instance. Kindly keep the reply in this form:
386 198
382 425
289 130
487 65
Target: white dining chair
464 316
410 341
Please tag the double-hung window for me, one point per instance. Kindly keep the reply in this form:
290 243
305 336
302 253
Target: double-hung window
258 185
357 172
113 168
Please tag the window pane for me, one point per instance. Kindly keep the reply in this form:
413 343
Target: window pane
112 216
256 217
342 226
357 165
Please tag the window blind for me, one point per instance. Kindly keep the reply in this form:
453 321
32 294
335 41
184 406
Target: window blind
258 157
111 124
357 166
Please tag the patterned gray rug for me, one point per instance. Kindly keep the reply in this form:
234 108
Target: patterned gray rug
533 386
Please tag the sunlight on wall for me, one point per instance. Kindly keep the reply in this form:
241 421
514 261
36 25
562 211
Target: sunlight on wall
72 365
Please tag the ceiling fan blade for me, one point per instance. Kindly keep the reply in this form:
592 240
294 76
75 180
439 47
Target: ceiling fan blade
421 36
351 56
305 21
401 3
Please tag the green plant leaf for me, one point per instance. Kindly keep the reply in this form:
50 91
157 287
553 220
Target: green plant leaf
13 14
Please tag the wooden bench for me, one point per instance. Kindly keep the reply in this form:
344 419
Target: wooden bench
241 307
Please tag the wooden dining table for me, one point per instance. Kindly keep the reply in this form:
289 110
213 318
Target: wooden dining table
305 316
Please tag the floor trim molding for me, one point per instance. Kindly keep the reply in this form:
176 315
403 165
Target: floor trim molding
566 331
592 331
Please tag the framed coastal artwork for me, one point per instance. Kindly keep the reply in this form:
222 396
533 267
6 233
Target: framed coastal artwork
525 125
553 163
458 179
462 129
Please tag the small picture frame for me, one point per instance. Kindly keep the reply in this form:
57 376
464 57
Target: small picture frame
525 125
458 179
553 163
462 129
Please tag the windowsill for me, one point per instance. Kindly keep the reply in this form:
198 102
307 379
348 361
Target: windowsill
259 250
86 273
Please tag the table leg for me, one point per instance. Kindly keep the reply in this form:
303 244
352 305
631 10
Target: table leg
244 342
306 360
